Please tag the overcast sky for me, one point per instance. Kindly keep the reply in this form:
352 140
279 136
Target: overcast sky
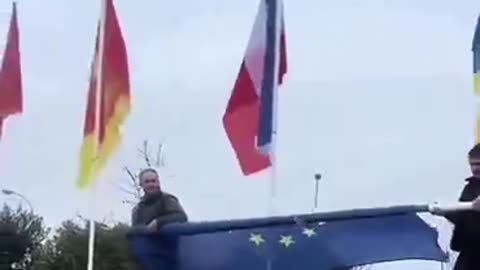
378 99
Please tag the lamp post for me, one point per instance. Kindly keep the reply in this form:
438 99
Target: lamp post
9 192
317 178
25 259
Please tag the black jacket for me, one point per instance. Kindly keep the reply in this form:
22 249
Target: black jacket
162 206
165 208
466 232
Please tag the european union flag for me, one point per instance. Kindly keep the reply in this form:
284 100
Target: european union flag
311 246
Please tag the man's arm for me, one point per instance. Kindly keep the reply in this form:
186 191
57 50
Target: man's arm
453 217
457 216
134 216
173 212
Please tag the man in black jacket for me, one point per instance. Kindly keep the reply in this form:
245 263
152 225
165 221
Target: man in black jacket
156 208
466 232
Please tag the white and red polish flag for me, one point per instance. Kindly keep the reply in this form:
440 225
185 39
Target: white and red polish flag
250 116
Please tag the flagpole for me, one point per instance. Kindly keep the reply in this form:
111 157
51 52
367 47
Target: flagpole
476 77
273 152
477 124
98 96
91 234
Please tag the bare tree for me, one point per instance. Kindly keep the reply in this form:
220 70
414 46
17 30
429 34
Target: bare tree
152 157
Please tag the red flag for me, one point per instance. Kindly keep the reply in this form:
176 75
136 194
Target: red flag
241 118
100 141
10 73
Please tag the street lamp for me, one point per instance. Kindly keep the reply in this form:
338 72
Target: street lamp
9 192
317 178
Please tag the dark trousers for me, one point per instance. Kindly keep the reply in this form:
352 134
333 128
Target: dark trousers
467 261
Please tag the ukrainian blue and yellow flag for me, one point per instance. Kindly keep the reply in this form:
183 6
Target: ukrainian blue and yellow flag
476 57
476 73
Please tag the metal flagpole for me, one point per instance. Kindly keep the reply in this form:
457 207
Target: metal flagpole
307 218
91 234
278 10
98 94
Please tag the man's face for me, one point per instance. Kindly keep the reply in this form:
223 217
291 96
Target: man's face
475 166
150 183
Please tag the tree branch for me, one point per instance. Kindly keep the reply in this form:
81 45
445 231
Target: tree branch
144 154
133 180
159 158
128 191
131 175
129 202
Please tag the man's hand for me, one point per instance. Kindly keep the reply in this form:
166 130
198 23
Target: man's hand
435 209
476 204
152 226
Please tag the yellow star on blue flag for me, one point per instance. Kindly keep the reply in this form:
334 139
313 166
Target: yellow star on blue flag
309 232
286 241
256 238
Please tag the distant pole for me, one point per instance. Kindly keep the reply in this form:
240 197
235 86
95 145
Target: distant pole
317 178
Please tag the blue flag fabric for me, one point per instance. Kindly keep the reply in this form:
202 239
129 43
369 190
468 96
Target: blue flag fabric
313 246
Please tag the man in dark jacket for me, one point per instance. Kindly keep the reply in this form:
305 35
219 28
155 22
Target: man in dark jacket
466 232
156 208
